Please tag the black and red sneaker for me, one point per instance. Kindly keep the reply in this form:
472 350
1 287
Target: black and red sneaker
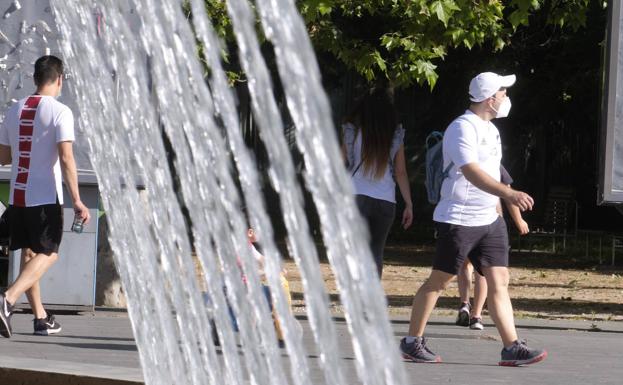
520 354
417 351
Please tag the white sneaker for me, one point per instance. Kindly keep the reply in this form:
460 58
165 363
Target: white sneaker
475 323
462 318
6 310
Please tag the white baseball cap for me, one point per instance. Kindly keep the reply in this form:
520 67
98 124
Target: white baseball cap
486 84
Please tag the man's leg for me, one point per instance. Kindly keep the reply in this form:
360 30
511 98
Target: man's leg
426 299
413 347
492 260
39 228
34 293
515 352
464 280
30 274
500 307
480 295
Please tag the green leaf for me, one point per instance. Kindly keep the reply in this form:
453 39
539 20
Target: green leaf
388 41
439 10
517 18
440 51
444 10
407 43
455 34
499 44
324 8
426 68
450 6
380 62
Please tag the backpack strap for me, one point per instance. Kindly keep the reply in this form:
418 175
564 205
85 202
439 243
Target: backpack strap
356 168
468 118
446 172
349 134
432 139
436 136
350 144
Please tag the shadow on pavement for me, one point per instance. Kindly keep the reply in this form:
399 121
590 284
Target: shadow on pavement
83 345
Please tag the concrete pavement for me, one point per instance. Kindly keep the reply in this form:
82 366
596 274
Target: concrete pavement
99 349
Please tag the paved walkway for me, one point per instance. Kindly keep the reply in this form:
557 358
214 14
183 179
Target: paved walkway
91 346
100 346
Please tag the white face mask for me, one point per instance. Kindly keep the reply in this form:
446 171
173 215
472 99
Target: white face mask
504 109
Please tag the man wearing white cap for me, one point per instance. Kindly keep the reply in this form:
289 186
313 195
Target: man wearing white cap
468 225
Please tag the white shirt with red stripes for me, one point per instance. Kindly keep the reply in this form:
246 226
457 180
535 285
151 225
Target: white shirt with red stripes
33 127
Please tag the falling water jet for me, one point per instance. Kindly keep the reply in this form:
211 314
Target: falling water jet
159 85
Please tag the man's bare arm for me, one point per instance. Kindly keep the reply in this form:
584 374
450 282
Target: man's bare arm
70 176
476 176
521 224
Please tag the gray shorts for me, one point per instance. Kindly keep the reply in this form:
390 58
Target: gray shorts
484 246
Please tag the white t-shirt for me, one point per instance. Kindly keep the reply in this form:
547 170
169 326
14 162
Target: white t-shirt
469 139
33 127
384 188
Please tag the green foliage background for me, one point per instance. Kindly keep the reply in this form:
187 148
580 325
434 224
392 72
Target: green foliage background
428 50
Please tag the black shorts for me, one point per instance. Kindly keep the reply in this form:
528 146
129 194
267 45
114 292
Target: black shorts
484 246
39 228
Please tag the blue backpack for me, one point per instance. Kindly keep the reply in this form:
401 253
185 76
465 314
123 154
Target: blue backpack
435 173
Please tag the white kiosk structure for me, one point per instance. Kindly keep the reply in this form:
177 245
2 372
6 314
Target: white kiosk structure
611 146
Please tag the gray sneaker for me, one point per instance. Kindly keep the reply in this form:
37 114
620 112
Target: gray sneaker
475 323
6 311
520 354
417 351
462 319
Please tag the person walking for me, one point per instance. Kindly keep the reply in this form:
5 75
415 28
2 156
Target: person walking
468 225
375 156
469 315
36 137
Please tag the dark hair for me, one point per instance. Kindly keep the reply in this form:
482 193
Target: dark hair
377 119
47 69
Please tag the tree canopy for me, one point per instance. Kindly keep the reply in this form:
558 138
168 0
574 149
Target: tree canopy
402 41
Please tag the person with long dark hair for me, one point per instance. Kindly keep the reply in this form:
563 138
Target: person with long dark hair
375 156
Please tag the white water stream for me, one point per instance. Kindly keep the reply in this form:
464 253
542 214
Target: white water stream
137 77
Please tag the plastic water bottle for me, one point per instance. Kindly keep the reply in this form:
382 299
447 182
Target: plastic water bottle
77 225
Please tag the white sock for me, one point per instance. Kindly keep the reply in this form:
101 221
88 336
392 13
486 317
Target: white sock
410 339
